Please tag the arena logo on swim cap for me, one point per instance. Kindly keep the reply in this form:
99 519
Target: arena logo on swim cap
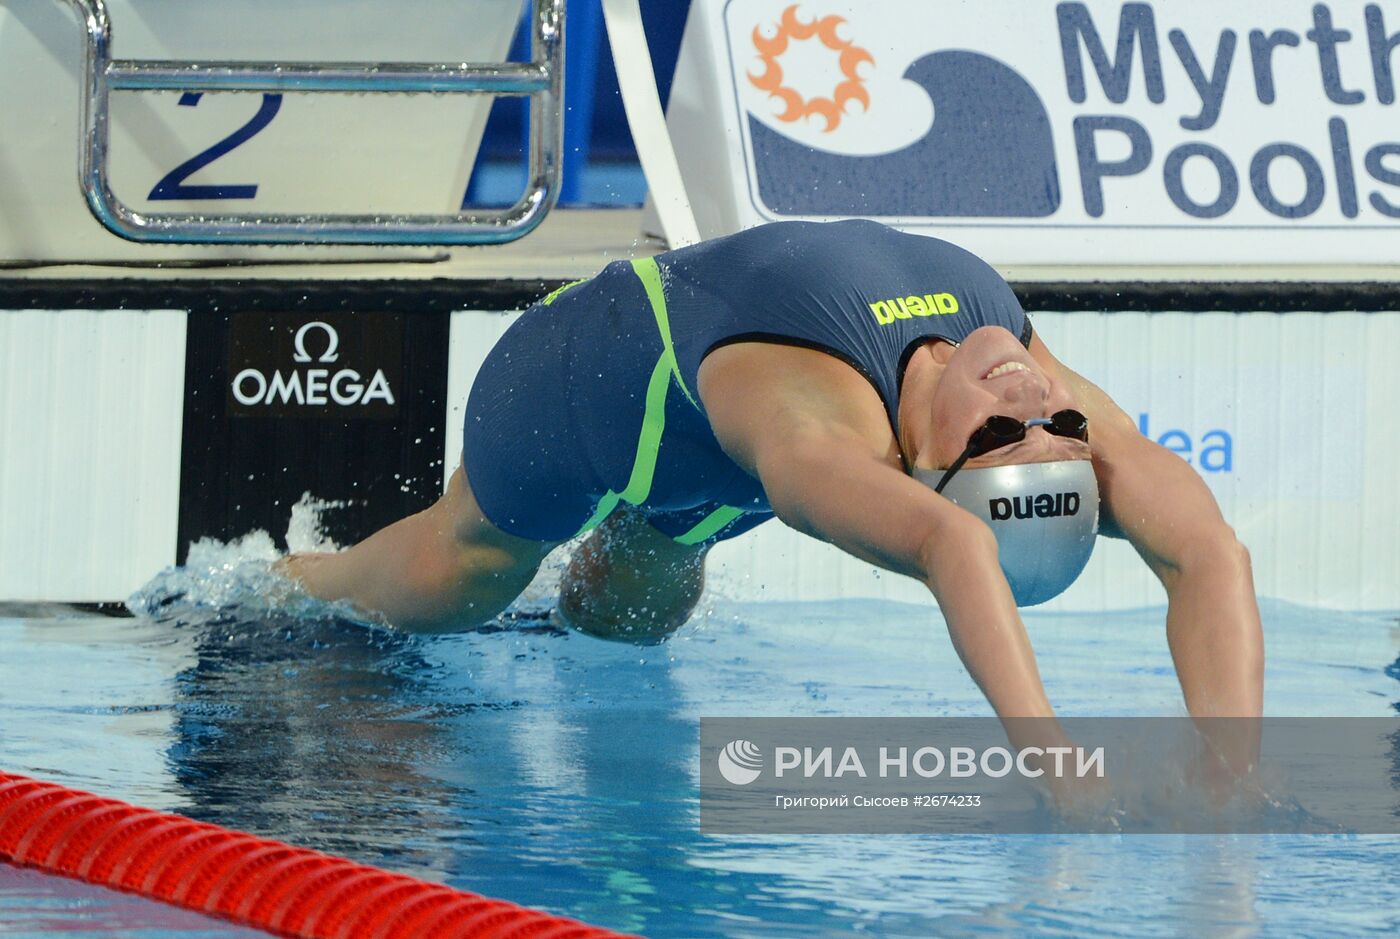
318 366
1044 505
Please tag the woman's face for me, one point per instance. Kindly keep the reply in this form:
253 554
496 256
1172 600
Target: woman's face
992 373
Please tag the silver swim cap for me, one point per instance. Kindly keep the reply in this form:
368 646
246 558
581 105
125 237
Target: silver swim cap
1045 517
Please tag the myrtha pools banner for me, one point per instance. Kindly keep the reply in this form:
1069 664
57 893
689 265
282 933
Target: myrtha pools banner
1039 131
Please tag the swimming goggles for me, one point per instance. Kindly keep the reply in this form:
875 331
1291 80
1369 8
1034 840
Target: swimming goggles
1002 431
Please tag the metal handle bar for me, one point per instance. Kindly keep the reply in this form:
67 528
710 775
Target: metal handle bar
541 79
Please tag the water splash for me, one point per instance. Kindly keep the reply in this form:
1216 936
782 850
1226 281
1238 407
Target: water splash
238 580
304 531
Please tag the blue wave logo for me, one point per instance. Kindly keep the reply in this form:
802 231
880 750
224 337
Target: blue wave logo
988 154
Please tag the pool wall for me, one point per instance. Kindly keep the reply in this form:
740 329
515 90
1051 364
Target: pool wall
141 414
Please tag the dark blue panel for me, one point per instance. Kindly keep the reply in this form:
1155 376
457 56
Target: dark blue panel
596 92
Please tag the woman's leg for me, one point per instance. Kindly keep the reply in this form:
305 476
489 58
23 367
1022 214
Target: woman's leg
445 568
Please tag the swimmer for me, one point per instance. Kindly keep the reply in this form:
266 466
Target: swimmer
878 390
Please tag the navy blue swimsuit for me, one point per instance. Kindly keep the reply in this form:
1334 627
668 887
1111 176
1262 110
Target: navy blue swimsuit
589 400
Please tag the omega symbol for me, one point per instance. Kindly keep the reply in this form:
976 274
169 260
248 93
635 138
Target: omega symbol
330 355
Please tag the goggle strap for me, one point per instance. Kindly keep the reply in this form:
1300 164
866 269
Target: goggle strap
952 470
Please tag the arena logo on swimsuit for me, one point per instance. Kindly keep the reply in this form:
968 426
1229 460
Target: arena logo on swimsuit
903 308
1044 505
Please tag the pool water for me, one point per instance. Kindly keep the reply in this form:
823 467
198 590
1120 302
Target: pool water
34 904
525 762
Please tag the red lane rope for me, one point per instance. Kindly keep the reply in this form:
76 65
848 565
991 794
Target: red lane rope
262 883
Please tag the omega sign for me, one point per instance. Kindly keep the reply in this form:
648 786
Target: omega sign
341 367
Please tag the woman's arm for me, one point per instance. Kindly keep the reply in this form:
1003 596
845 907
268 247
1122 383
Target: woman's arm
820 442
824 485
1158 502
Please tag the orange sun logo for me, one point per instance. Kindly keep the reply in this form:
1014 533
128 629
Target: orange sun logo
795 106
